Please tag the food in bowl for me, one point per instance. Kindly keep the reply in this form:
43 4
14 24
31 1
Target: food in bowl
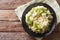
38 19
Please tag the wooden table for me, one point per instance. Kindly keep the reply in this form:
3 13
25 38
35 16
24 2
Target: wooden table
10 26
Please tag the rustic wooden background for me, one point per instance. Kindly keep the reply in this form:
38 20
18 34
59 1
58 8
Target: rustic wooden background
10 26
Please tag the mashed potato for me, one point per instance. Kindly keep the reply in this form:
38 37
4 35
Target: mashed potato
38 19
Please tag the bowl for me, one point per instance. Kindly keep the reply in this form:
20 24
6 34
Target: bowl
53 23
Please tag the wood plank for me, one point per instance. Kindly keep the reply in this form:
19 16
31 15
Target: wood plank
11 26
58 2
57 28
11 4
15 36
9 21
25 36
8 15
53 36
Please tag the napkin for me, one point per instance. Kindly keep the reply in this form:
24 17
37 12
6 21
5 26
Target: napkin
53 3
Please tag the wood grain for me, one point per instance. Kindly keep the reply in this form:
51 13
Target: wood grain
9 21
25 36
11 4
11 26
53 36
15 36
58 1
9 15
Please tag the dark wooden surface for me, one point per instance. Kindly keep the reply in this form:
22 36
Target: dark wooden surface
10 26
